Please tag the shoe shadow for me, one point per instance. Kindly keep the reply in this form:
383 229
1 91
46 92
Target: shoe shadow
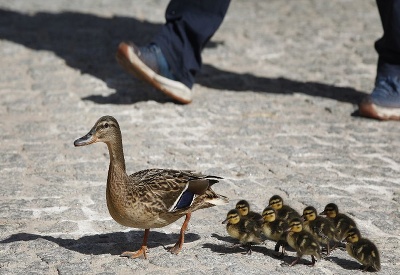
88 44
109 243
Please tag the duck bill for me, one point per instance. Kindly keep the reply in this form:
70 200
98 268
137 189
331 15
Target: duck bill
87 139
323 213
225 221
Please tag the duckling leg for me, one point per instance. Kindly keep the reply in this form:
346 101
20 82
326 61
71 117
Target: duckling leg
312 261
277 246
248 249
295 261
178 246
142 251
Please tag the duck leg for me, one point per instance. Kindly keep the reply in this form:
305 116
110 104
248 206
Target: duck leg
142 251
178 246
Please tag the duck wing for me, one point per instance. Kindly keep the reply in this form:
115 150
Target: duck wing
177 189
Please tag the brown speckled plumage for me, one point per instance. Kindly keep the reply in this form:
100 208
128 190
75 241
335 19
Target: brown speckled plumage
146 199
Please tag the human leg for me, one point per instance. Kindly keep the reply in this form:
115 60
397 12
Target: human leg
384 101
177 48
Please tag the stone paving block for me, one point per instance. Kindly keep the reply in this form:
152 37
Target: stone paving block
273 113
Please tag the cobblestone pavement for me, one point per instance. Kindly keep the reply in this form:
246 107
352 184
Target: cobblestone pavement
273 113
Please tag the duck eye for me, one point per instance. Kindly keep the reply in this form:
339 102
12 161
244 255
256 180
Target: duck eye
106 125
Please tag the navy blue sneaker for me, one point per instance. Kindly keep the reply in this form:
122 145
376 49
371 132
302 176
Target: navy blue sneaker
149 64
384 101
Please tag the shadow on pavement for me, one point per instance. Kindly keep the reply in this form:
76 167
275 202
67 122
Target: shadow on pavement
88 43
110 243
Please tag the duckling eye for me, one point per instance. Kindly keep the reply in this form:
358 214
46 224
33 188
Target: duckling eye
106 125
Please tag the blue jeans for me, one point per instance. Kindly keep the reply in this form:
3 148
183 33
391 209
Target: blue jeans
189 26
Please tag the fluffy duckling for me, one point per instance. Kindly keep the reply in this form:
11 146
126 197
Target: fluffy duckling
302 241
243 207
245 230
321 228
274 228
363 250
150 198
283 211
341 221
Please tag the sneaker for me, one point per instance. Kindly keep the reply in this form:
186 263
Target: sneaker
149 64
384 101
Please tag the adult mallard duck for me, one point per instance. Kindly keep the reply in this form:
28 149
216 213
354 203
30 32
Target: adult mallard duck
150 198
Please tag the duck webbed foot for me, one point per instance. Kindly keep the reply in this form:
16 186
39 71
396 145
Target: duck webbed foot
136 254
142 251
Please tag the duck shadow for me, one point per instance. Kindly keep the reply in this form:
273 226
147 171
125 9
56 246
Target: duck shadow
228 249
109 243
344 263
88 43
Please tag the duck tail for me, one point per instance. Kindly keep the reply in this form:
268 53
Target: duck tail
219 200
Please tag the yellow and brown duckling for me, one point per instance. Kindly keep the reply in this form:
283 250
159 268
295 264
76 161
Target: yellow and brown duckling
321 228
246 231
341 221
302 242
151 198
274 228
282 210
243 207
363 250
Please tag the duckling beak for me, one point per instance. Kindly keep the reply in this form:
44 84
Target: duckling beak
288 229
322 213
87 139
225 221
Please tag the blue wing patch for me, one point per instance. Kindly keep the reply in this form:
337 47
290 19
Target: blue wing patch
185 200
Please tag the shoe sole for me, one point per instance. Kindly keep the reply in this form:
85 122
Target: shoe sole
131 63
371 110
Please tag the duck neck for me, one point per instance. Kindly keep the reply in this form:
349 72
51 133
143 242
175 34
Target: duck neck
117 177
116 151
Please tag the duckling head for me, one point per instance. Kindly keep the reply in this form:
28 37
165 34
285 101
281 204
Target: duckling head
106 130
353 235
331 210
309 213
276 202
233 217
269 214
243 207
295 225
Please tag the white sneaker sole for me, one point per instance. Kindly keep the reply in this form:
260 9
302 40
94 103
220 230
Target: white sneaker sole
369 109
132 63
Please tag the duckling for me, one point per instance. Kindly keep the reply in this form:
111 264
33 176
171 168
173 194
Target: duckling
244 210
151 198
245 230
302 241
341 221
274 228
283 211
363 250
321 228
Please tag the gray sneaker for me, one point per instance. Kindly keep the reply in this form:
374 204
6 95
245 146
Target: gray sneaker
149 64
384 101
